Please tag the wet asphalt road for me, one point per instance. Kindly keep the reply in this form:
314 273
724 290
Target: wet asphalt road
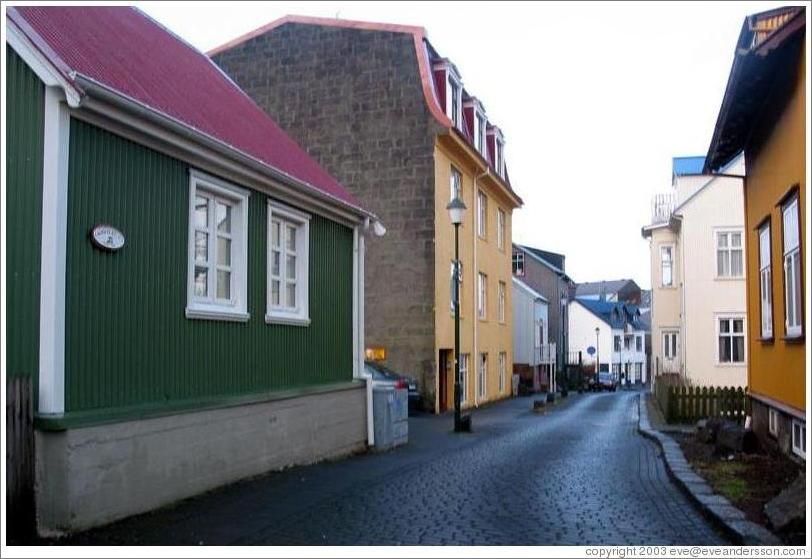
578 474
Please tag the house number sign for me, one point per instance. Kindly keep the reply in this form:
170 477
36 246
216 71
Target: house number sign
106 237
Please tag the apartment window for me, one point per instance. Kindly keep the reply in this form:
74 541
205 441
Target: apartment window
480 132
616 368
482 214
627 342
639 343
792 267
518 264
731 340
482 375
499 160
463 376
773 422
765 281
638 372
218 249
454 286
500 229
617 343
667 265
482 299
729 254
288 248
502 366
501 301
456 184
799 438
455 92
670 345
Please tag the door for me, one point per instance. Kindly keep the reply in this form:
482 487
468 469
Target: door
446 392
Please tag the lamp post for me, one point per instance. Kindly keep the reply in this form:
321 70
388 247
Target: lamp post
597 353
456 210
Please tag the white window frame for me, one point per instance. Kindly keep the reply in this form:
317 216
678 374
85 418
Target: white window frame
482 296
502 368
482 214
452 285
501 220
791 258
638 343
209 307
670 344
482 375
455 185
730 319
616 343
501 296
727 252
799 442
518 264
287 216
772 421
464 359
480 124
499 157
765 280
454 99
670 262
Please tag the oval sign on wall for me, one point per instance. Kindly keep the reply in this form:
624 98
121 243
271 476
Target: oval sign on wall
106 237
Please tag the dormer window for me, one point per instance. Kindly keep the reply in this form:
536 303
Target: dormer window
454 101
449 85
499 158
479 132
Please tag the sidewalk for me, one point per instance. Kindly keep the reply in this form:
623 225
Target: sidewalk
657 420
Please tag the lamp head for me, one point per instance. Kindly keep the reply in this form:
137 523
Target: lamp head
456 210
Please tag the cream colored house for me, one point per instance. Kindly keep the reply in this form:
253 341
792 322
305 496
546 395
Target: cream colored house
696 238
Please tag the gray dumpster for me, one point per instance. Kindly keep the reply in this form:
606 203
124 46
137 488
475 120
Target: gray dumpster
390 410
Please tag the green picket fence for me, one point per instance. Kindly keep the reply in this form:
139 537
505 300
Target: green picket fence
687 404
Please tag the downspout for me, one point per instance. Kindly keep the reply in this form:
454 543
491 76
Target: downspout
476 288
359 254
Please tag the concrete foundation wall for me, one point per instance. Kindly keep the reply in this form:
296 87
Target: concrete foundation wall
761 427
95 475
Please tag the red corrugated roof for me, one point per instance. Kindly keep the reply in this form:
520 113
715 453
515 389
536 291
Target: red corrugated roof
123 49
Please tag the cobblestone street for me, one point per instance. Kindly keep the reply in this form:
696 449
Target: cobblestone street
578 474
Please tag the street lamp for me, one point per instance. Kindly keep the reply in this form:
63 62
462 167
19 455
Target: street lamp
597 353
456 210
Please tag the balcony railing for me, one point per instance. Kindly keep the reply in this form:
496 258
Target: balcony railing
545 353
662 205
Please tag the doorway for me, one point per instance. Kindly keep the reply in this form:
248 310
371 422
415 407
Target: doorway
444 378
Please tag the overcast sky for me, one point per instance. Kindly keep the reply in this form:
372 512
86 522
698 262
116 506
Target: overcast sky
593 99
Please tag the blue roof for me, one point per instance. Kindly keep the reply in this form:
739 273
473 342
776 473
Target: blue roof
624 312
687 165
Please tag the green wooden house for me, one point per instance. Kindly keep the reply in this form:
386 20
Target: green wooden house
184 284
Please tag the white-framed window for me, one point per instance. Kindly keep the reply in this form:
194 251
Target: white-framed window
731 340
617 343
218 249
792 268
501 219
773 417
499 159
765 280
667 265
482 299
518 264
627 342
482 375
482 214
479 133
639 343
456 183
670 342
729 254
799 438
455 101
638 372
616 368
454 286
288 265
463 377
501 299
502 367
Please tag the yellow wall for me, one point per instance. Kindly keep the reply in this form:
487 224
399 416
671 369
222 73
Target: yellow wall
492 337
777 369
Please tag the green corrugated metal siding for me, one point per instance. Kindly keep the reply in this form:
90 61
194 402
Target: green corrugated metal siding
128 341
25 106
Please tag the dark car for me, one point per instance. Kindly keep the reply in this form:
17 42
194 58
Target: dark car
606 381
381 373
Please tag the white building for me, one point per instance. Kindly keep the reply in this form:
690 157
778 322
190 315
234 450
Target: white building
696 238
615 331
533 358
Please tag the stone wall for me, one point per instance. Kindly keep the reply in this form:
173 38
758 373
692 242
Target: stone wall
353 99
95 475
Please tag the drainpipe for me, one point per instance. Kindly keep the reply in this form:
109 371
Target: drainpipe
359 252
476 287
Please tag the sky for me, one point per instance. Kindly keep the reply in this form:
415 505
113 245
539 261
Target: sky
594 100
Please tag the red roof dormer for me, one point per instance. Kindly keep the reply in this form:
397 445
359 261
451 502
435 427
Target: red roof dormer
477 124
496 149
449 90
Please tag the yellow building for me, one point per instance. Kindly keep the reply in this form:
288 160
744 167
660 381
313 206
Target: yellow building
763 113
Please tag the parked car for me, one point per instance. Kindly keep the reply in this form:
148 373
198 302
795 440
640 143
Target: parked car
381 373
606 381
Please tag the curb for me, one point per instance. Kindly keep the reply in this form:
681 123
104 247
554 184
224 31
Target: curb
715 507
